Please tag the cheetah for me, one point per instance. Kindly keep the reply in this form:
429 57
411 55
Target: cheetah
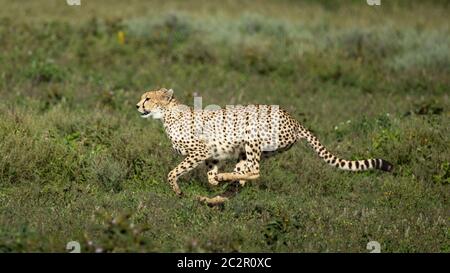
244 133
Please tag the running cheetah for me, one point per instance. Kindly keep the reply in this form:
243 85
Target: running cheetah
247 133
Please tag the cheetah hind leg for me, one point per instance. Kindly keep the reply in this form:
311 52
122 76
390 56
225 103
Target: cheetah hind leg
247 173
250 164
240 173
232 189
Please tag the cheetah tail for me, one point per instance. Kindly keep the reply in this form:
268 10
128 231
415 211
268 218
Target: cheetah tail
350 165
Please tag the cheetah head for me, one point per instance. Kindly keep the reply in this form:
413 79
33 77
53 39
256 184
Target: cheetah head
152 103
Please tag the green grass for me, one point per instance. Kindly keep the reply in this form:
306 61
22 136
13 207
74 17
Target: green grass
78 163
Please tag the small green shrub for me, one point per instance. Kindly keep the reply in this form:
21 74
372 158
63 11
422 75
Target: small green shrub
45 71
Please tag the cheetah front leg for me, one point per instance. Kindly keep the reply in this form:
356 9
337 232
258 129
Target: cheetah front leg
241 167
213 170
188 164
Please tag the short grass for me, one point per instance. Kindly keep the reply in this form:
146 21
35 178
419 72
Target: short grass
78 163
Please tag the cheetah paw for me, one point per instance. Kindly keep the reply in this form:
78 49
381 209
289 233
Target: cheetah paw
220 177
179 193
213 182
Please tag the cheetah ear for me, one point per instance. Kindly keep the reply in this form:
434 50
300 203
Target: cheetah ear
169 94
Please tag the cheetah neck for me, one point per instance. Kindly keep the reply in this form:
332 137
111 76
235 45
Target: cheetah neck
173 103
174 118
172 109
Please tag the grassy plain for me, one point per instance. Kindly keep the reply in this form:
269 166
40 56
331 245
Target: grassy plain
78 163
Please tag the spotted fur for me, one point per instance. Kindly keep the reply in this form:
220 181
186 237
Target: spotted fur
247 133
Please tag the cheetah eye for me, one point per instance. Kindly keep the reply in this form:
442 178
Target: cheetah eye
147 99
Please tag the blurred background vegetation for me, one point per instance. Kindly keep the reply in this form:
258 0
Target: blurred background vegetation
78 163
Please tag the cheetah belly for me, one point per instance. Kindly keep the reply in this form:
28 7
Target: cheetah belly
222 152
